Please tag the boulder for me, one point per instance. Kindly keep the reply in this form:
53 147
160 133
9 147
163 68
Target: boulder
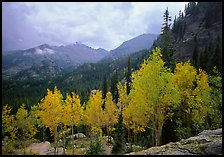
78 135
105 138
208 142
43 148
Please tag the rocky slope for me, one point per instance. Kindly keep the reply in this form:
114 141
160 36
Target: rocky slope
201 27
208 142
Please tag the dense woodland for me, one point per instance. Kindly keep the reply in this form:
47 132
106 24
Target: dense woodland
149 98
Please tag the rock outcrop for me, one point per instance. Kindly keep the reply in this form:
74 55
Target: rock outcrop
78 135
43 148
208 142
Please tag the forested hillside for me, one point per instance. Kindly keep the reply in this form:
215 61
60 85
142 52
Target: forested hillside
169 92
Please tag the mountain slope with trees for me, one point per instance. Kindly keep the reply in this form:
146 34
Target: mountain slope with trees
196 35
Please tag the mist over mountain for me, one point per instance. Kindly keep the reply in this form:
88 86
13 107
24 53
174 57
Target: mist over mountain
65 58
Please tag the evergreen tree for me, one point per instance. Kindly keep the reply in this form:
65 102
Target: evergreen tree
119 140
195 57
216 58
104 90
104 87
128 77
191 8
113 89
166 41
204 59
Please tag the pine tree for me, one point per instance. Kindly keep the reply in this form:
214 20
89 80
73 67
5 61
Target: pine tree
113 88
166 41
104 87
128 77
104 90
203 59
119 140
216 58
195 58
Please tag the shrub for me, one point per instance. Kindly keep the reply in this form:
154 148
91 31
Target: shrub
95 148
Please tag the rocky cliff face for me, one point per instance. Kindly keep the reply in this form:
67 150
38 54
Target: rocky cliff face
202 26
208 142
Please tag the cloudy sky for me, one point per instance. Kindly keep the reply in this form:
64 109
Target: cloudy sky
96 24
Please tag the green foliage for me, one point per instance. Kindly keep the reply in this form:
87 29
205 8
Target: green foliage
104 87
215 116
195 58
129 150
25 122
128 76
96 147
190 8
113 88
119 139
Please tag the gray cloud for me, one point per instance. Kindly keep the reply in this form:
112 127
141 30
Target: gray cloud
104 24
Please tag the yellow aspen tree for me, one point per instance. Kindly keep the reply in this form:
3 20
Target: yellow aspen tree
78 110
202 93
195 94
8 122
51 111
94 113
9 130
110 114
74 113
153 90
135 115
123 103
24 122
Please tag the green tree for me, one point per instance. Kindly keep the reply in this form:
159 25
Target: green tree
217 58
24 123
167 41
104 87
128 76
214 118
203 59
195 57
96 147
113 88
119 140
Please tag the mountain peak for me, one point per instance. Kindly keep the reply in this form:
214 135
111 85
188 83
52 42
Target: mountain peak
143 41
43 46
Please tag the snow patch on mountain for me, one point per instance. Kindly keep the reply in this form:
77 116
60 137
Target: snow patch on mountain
44 51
